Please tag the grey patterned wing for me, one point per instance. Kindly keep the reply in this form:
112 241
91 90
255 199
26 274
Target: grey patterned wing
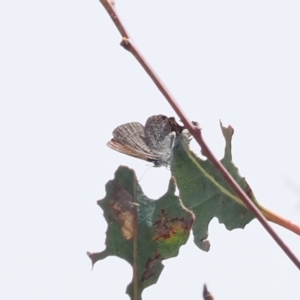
115 145
157 130
129 139
132 135
160 138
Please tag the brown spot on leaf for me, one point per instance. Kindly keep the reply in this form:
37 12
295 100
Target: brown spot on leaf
182 223
150 266
165 228
162 227
123 212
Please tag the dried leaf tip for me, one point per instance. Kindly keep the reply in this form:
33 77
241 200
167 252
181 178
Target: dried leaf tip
206 294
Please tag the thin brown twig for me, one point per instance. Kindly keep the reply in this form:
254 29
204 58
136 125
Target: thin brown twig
196 132
115 18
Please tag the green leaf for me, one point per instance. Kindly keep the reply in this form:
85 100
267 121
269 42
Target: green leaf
204 191
140 230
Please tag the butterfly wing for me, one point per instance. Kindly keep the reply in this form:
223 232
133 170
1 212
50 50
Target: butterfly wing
159 137
132 135
129 139
115 145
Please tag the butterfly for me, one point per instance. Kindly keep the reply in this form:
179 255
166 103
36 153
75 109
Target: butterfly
153 142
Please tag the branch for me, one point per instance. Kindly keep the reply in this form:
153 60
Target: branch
196 131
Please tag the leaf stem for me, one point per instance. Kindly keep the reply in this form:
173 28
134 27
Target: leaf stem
279 220
196 133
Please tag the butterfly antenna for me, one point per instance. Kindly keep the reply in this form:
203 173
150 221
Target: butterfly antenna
145 173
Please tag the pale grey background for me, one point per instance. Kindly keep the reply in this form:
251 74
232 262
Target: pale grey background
66 84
